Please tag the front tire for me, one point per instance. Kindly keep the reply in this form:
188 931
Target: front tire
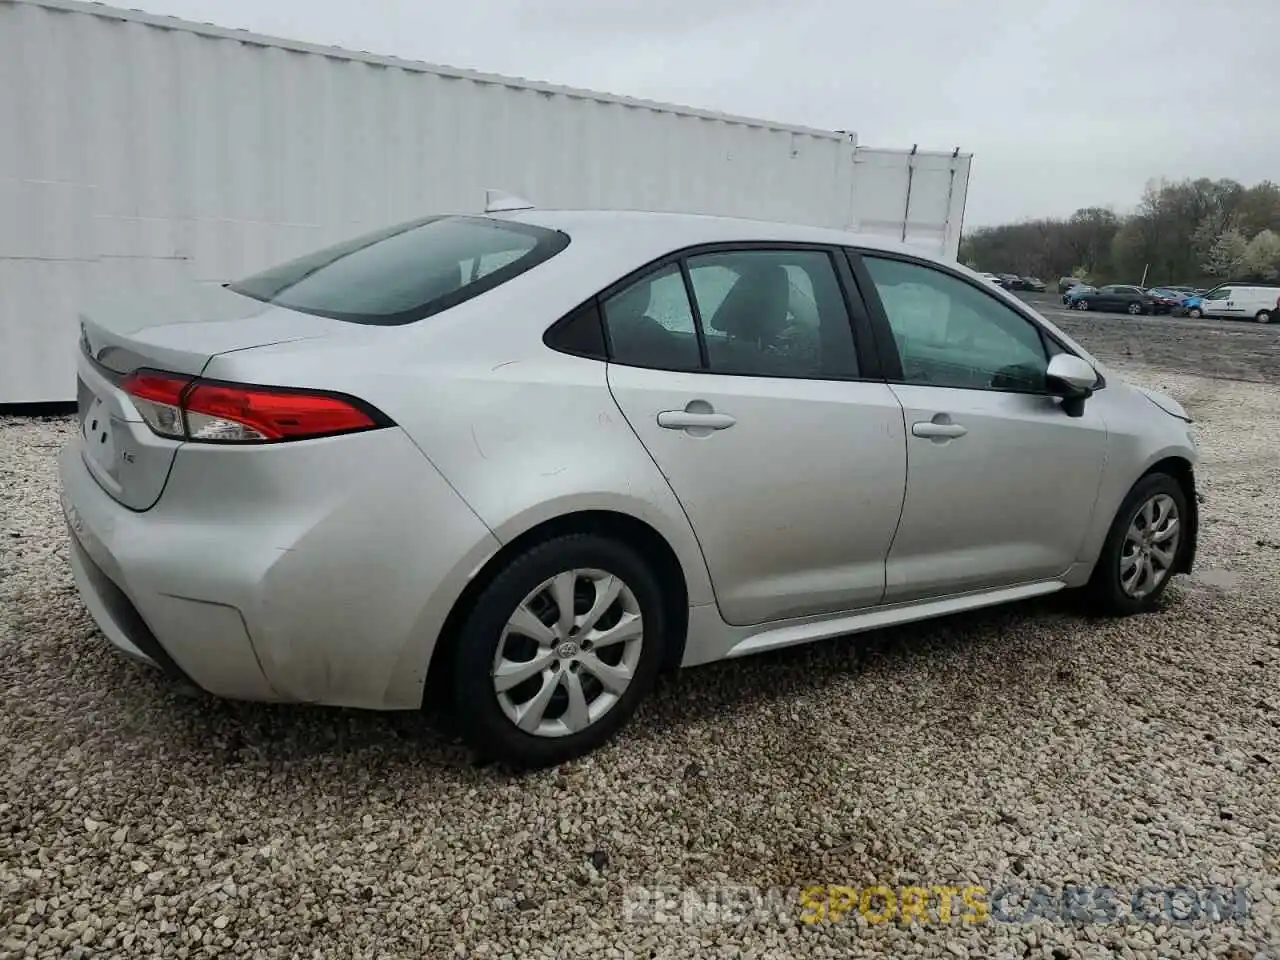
1082 304
1195 313
1142 548
557 651
1136 309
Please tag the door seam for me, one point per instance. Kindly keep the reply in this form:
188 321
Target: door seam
608 380
906 485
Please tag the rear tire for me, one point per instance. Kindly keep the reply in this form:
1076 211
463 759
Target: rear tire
579 687
1263 316
1140 534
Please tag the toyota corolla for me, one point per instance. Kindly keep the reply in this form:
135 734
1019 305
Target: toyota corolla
512 466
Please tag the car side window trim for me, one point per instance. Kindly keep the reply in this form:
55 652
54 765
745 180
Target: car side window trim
886 348
704 358
869 367
891 361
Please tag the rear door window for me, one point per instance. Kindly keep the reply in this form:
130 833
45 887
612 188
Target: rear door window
407 272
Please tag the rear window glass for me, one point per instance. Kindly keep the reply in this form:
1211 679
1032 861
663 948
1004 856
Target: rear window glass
406 272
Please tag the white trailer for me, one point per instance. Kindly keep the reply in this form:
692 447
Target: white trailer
139 149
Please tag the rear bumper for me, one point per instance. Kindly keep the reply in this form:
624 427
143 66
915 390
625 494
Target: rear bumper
206 644
317 572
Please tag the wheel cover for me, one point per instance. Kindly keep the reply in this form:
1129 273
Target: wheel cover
568 652
1135 309
1150 546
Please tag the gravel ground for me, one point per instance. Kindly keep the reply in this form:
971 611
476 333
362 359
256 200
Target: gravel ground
1234 350
1025 746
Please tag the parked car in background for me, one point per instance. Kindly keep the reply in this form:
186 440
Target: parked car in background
1078 290
1237 301
1166 298
1009 280
1186 305
631 367
1066 283
1116 298
992 279
1033 284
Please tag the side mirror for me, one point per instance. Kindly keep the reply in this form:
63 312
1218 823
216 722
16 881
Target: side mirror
1072 379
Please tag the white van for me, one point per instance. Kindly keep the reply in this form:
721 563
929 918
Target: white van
1238 301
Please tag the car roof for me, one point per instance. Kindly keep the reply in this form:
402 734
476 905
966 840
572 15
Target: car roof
647 235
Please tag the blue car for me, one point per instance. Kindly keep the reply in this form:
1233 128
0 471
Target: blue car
1188 304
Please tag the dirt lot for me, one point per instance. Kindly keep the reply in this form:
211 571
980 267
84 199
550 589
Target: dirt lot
1027 749
1221 349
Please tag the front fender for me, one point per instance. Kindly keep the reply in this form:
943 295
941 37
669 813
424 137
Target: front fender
1120 476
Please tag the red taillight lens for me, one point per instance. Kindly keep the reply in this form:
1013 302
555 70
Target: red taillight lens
213 412
158 397
234 413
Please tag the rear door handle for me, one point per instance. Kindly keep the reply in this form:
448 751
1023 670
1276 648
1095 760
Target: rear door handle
688 420
938 431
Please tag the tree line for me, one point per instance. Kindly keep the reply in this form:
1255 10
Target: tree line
1196 232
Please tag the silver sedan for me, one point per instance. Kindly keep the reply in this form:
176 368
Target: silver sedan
512 466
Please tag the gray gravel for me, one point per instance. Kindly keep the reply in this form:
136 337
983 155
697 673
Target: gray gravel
1230 349
1026 745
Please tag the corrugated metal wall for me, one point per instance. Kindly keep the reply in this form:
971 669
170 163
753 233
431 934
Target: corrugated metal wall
911 197
137 149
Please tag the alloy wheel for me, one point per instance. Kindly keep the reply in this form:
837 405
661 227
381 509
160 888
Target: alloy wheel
1150 546
568 652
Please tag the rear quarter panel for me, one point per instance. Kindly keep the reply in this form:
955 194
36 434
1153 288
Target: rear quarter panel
523 433
532 438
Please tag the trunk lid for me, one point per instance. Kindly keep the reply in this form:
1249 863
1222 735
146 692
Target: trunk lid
178 330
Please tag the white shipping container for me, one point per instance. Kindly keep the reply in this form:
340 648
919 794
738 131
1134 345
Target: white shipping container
139 149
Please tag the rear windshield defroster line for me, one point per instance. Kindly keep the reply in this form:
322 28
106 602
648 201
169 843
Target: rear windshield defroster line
405 273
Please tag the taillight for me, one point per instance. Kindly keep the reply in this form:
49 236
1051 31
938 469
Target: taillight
208 411
158 397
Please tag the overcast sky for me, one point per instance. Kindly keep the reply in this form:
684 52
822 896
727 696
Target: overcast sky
1064 103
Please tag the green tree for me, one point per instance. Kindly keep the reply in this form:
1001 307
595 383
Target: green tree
1262 256
1227 255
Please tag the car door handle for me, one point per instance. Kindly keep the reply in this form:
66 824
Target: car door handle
938 431
690 420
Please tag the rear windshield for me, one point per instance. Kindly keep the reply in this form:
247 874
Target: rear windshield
406 272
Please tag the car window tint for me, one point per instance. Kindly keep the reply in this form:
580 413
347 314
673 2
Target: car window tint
650 323
951 334
777 313
407 272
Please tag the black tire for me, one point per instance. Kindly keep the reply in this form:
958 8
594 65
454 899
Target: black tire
1263 316
1136 309
477 715
1195 313
1082 304
1105 593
